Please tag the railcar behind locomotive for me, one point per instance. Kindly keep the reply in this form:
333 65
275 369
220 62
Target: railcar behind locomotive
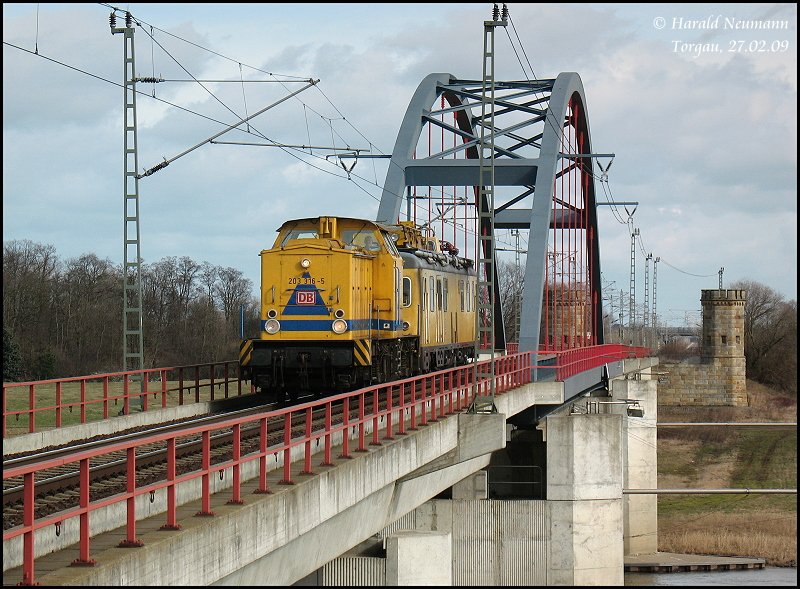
348 302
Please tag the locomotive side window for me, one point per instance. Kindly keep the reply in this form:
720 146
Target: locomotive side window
461 293
433 296
390 244
444 295
424 291
406 291
439 293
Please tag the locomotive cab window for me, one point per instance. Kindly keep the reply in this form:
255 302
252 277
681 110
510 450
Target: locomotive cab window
299 234
362 238
406 291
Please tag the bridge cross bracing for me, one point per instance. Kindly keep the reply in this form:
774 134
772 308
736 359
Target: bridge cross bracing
540 139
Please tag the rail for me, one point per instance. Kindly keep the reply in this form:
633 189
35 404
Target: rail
48 404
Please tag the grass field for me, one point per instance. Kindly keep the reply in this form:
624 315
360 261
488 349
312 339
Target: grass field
727 457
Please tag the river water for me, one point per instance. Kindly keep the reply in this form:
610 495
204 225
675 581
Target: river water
773 576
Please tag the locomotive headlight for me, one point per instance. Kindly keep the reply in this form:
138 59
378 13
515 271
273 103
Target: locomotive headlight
339 326
305 263
272 326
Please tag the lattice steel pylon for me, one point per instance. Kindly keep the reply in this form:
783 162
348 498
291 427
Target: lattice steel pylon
132 324
486 256
542 147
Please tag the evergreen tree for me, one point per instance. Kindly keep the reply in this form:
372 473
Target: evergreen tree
12 361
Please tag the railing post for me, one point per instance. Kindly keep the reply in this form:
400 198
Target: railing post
237 456
28 515
32 407
172 515
105 397
375 411
163 388
83 557
263 487
414 405
328 425
307 458
180 386
197 384
125 402
205 509
401 423
287 450
389 394
361 415
58 404
145 388
345 428
424 398
131 541
225 377
83 400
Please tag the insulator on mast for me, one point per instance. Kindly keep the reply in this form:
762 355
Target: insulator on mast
112 20
128 20
495 12
505 12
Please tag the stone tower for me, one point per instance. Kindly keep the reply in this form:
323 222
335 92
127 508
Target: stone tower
723 345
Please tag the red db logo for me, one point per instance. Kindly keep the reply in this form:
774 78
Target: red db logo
306 297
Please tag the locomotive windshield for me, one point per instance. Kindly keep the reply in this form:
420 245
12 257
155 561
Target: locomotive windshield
366 238
299 234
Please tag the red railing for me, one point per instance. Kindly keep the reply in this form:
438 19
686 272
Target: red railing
53 401
568 363
400 406
183 384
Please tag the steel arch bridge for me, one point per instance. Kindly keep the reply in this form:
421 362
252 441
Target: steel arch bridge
544 184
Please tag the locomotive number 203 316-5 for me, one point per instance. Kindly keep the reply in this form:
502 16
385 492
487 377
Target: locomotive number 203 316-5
306 280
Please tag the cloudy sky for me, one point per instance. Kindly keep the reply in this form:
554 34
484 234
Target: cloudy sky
701 114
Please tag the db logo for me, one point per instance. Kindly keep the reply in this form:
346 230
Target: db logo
306 297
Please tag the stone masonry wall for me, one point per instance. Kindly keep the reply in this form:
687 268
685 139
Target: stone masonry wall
719 377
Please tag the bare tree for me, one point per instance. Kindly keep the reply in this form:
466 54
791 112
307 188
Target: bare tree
770 330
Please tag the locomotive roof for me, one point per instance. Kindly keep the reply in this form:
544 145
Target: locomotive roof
316 220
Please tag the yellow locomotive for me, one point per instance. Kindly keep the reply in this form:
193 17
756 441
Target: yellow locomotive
349 302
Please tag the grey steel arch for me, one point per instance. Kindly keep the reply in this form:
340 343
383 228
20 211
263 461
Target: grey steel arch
527 153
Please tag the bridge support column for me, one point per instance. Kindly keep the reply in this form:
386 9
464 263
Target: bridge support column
584 493
639 438
419 558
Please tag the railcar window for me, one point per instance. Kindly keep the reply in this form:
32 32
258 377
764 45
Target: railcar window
444 294
406 291
433 296
461 293
439 293
424 292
